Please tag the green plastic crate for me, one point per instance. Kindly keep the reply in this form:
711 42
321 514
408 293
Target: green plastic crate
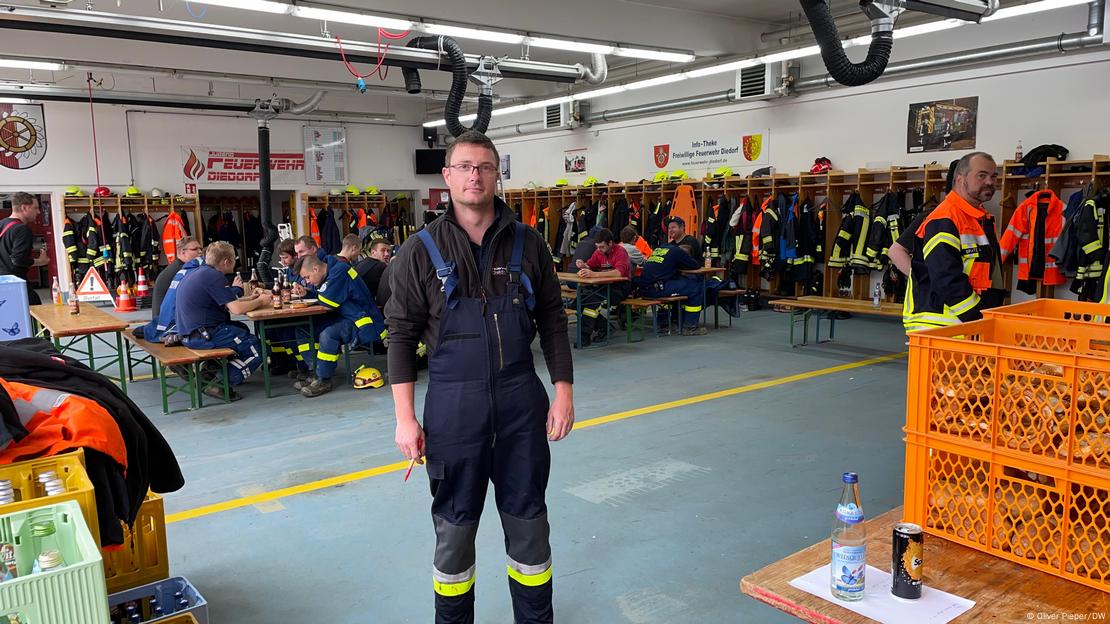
75 594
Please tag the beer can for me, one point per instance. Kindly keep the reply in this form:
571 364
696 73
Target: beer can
908 550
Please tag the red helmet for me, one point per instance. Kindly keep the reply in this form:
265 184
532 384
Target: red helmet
102 191
821 165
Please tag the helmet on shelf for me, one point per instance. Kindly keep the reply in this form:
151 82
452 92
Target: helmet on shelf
102 191
133 192
75 191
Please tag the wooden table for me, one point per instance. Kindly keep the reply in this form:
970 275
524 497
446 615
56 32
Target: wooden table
804 307
1003 591
703 273
588 290
58 323
287 316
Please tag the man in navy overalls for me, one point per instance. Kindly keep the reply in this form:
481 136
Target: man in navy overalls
477 286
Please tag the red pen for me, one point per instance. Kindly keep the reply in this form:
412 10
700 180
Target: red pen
412 462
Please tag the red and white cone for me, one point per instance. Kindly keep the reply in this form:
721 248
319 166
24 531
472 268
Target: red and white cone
142 291
124 302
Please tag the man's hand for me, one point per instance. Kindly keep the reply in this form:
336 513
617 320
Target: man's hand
238 281
581 264
298 290
410 439
41 260
585 273
560 418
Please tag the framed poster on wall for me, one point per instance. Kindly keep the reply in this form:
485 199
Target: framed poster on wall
574 161
325 154
942 125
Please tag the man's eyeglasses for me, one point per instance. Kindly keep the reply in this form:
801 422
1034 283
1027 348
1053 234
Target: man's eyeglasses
485 169
191 249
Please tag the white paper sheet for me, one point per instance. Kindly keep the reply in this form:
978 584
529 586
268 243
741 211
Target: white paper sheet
934 606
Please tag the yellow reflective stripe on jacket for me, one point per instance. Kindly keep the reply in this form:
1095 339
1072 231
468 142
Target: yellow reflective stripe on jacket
327 357
942 237
364 321
1092 247
328 302
352 273
965 306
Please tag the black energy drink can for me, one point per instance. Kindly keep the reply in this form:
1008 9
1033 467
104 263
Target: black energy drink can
906 560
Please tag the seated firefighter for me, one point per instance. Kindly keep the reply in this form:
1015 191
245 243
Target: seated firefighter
356 321
608 260
662 277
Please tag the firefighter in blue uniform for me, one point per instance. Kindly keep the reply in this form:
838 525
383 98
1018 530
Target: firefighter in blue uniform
355 320
662 277
477 286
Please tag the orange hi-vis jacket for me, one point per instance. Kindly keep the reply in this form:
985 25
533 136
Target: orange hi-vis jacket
1033 229
313 227
173 231
951 265
57 421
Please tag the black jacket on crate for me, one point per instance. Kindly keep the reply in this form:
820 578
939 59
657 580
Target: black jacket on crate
151 463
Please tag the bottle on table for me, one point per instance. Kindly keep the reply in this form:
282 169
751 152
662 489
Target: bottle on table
849 543
56 292
254 282
286 292
877 297
275 293
74 304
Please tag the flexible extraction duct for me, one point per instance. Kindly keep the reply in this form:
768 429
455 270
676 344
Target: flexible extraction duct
455 96
596 74
840 67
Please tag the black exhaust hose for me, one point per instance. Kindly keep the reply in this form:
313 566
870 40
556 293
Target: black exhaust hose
458 85
840 67
265 209
412 80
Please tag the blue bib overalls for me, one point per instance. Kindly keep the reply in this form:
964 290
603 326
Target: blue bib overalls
485 419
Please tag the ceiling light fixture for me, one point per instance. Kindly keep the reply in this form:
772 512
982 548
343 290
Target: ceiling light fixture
472 33
572 46
655 82
9 100
1033 7
655 55
346 17
264 6
722 68
25 64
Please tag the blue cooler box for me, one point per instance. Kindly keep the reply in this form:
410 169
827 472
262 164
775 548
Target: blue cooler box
15 316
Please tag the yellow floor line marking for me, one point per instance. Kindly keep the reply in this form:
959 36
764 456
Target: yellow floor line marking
269 506
263 498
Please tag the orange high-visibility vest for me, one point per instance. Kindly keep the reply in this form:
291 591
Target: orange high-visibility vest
1021 230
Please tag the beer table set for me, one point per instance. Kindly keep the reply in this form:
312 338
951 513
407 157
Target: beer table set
1002 591
590 290
703 274
79 331
269 319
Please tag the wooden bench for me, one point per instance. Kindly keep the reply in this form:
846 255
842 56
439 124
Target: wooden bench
672 301
828 307
630 305
724 294
160 357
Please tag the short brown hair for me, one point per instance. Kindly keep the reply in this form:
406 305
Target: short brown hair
628 234
352 240
472 137
307 262
379 242
22 199
217 252
308 242
603 236
286 247
186 240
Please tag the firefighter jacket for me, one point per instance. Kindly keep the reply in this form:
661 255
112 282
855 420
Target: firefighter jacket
952 263
121 248
810 240
1033 231
173 231
620 215
540 215
253 233
1091 231
657 214
75 247
331 240
885 229
849 250
716 241
635 216
144 241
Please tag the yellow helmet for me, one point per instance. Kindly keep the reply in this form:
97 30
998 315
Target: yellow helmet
351 190
366 377
562 182
722 172
371 190
590 181
661 176
679 174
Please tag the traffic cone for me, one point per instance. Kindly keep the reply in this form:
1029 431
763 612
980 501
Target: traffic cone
142 291
125 302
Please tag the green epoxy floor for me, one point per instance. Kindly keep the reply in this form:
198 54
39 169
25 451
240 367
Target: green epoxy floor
654 518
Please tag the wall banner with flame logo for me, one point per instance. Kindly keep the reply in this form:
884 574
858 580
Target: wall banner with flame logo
704 154
228 167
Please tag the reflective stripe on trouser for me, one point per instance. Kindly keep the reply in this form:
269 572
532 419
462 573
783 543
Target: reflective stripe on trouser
247 348
482 382
689 287
594 317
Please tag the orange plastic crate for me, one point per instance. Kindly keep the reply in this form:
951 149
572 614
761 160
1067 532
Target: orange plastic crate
1027 390
144 557
1056 310
1041 517
70 468
184 618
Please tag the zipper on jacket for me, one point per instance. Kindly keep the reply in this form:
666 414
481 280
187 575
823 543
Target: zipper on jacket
500 349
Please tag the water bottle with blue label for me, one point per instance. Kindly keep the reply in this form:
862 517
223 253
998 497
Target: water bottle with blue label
849 543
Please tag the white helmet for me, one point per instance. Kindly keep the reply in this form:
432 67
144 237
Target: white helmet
156 192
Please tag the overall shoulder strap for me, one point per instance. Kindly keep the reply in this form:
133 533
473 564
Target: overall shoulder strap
445 270
516 265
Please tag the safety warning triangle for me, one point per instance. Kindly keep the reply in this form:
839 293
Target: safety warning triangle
93 288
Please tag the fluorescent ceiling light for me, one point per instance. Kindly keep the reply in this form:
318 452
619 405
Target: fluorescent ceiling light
596 93
656 55
264 6
655 82
924 29
346 17
788 55
473 33
1033 7
22 64
8 100
434 124
519 108
573 46
722 68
